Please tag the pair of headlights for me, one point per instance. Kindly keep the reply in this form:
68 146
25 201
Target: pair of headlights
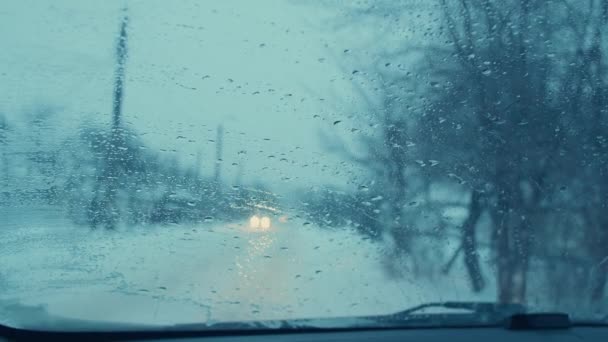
259 222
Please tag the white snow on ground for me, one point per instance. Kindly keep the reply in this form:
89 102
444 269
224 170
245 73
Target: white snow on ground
214 272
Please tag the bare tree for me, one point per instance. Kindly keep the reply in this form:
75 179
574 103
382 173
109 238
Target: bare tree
514 110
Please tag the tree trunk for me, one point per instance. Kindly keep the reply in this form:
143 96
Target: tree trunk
469 243
598 284
599 251
512 241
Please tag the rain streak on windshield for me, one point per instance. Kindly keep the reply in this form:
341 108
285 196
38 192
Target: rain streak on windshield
217 161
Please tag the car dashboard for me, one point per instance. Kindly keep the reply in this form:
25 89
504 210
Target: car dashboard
468 334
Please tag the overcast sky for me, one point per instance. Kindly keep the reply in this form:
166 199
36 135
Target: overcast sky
274 73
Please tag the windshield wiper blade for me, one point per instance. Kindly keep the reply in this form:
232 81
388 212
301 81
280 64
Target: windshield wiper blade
488 311
474 307
479 312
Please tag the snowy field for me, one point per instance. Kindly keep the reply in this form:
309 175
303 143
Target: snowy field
214 272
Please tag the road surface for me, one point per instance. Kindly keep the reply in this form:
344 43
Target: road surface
201 273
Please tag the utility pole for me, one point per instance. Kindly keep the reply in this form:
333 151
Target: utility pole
104 209
218 153
197 164
121 57
4 128
239 172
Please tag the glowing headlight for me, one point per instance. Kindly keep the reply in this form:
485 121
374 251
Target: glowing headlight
254 221
265 222
258 222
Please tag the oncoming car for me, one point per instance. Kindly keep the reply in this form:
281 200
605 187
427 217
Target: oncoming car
265 218
259 222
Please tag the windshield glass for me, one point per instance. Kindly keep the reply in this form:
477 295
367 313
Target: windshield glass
167 162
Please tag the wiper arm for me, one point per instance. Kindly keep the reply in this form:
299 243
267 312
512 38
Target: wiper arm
513 316
482 311
473 307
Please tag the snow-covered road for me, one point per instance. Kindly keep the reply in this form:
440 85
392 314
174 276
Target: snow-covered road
213 272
